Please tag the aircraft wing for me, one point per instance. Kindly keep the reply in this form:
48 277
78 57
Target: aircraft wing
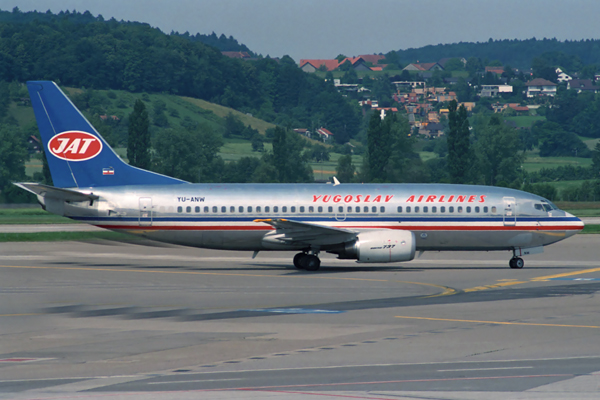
295 232
52 192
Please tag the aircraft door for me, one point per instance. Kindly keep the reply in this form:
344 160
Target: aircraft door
510 211
340 211
145 211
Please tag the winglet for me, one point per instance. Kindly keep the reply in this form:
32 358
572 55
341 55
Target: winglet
335 181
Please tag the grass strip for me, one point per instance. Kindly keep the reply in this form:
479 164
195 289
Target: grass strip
62 236
591 229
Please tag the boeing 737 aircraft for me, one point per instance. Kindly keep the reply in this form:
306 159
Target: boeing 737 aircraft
370 223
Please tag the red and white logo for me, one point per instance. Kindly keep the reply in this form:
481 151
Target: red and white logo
75 146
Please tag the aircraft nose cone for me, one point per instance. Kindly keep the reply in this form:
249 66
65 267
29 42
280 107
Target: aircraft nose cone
577 224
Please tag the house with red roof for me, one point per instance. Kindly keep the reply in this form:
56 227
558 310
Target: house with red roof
324 134
236 54
315 65
424 67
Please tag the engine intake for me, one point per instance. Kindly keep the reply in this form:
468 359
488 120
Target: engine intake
380 246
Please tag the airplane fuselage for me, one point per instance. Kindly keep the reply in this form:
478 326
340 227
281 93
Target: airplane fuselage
222 216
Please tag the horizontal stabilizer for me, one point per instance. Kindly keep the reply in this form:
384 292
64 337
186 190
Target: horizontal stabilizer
52 192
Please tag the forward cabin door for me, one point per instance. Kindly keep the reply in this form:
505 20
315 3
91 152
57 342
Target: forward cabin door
510 211
145 211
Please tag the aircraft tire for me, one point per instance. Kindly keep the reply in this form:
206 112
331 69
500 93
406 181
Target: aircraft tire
311 263
298 258
516 263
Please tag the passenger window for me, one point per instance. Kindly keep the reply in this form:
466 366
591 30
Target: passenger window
434 209
468 209
206 209
241 209
275 209
258 209
399 209
416 209
425 209
284 209
197 209
179 209
451 209
349 209
341 209
485 209
459 209
330 209
477 209
232 209
267 209
494 210
374 209
223 209
357 209
320 209
188 209
293 209
311 209
215 209
249 209
301 209
443 209
408 209
366 209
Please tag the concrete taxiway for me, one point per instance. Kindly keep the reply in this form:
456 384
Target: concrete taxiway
104 319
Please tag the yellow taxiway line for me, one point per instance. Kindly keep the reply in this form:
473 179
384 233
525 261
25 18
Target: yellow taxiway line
498 322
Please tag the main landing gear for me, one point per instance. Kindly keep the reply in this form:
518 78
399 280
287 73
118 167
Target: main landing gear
516 262
309 262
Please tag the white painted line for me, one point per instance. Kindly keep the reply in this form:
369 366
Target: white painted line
196 380
480 369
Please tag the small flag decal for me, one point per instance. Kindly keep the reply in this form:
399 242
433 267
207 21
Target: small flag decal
108 171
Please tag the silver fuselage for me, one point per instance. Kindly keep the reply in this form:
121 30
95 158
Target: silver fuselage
222 216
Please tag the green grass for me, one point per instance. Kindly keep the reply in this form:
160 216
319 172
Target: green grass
590 142
534 162
525 121
62 236
30 216
591 229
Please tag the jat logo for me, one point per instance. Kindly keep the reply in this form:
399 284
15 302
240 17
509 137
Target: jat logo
75 146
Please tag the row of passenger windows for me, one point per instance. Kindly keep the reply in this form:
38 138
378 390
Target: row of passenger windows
284 209
459 209
340 209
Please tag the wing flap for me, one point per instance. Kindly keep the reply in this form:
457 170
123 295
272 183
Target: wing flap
305 233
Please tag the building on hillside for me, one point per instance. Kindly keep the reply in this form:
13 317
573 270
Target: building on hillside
315 65
468 105
431 129
540 87
373 59
443 97
583 85
494 90
495 70
324 134
236 54
562 76
302 131
383 111
357 63
424 67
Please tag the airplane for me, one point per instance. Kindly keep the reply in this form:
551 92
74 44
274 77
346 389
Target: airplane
369 223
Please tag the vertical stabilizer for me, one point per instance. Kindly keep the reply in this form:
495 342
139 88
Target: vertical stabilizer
77 155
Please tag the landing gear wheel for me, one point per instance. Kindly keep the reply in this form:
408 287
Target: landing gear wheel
298 260
516 263
310 262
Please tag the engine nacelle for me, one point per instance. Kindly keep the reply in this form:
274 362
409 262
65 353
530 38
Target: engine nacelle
381 246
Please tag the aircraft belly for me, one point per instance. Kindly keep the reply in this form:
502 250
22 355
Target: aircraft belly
226 240
484 240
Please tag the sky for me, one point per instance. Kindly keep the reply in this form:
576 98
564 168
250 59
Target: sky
317 29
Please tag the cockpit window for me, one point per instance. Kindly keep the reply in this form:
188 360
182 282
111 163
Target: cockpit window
548 206
538 206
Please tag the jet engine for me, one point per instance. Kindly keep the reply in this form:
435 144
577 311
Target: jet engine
381 246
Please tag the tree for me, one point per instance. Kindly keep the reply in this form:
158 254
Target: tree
460 157
189 155
498 149
233 126
138 142
345 169
596 160
13 154
289 163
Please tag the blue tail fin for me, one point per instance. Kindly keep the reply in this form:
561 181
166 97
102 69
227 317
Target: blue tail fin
77 155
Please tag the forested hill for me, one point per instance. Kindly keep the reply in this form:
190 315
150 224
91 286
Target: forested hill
80 50
222 42
516 53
